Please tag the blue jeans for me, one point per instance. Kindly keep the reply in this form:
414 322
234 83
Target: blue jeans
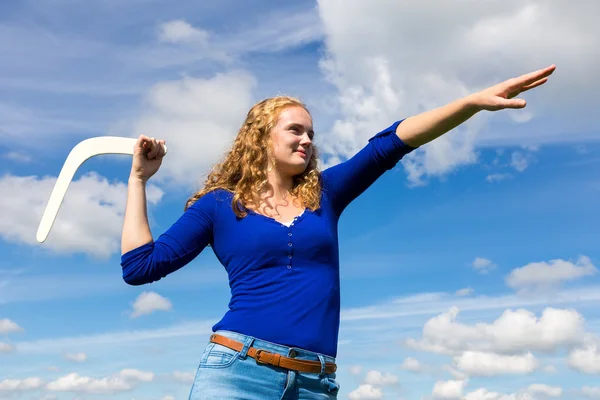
227 374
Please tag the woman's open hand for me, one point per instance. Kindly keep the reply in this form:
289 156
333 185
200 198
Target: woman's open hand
501 96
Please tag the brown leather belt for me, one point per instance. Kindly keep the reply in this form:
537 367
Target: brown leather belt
277 360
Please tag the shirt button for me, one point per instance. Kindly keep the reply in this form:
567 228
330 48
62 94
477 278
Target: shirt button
289 244
289 267
289 233
290 256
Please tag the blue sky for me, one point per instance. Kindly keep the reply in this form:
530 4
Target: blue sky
468 272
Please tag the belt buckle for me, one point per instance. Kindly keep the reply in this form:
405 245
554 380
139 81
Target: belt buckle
257 356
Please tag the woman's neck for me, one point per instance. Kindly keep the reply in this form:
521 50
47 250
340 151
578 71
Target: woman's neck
280 187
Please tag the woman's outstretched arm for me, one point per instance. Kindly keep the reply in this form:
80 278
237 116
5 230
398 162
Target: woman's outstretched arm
423 128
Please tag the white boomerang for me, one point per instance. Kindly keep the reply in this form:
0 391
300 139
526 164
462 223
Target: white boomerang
80 153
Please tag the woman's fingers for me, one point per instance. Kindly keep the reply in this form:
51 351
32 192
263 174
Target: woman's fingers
528 79
151 147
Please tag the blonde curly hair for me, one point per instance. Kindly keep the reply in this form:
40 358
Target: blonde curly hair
244 168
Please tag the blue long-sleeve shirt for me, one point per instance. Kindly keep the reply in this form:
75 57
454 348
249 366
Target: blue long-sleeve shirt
284 280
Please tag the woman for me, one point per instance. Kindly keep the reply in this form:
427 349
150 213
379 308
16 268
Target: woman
271 219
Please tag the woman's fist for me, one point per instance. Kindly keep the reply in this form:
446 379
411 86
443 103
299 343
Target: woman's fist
147 157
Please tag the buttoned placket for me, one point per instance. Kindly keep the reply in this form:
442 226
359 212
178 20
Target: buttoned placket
290 243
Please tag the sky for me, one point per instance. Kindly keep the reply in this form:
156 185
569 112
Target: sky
469 271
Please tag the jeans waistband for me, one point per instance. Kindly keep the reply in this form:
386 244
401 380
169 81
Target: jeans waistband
298 353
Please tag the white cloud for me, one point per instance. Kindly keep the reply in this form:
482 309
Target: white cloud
381 72
366 392
184 377
89 220
483 265
20 385
489 364
546 390
198 118
465 292
135 375
591 392
484 394
84 384
181 31
7 326
497 177
148 302
586 358
123 381
512 333
449 389
6 348
545 275
75 357
411 364
377 378
458 375
168 397
520 161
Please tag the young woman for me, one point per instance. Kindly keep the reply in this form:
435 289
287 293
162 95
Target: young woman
271 219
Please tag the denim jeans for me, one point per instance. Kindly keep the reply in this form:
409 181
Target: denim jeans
227 374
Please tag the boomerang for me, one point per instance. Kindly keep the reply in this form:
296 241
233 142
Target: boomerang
81 152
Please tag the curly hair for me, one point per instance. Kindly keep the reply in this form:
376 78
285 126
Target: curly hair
244 169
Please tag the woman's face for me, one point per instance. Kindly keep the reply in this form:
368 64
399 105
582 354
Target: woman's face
292 141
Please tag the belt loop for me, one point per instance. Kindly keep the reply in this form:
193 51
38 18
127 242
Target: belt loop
247 344
322 374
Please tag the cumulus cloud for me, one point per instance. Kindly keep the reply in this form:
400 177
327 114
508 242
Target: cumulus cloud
476 363
75 383
381 73
20 385
149 302
7 326
198 118
586 358
377 378
449 390
514 332
366 392
124 380
483 265
484 394
546 275
411 364
89 220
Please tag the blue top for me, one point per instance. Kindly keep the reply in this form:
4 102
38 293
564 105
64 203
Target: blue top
284 281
